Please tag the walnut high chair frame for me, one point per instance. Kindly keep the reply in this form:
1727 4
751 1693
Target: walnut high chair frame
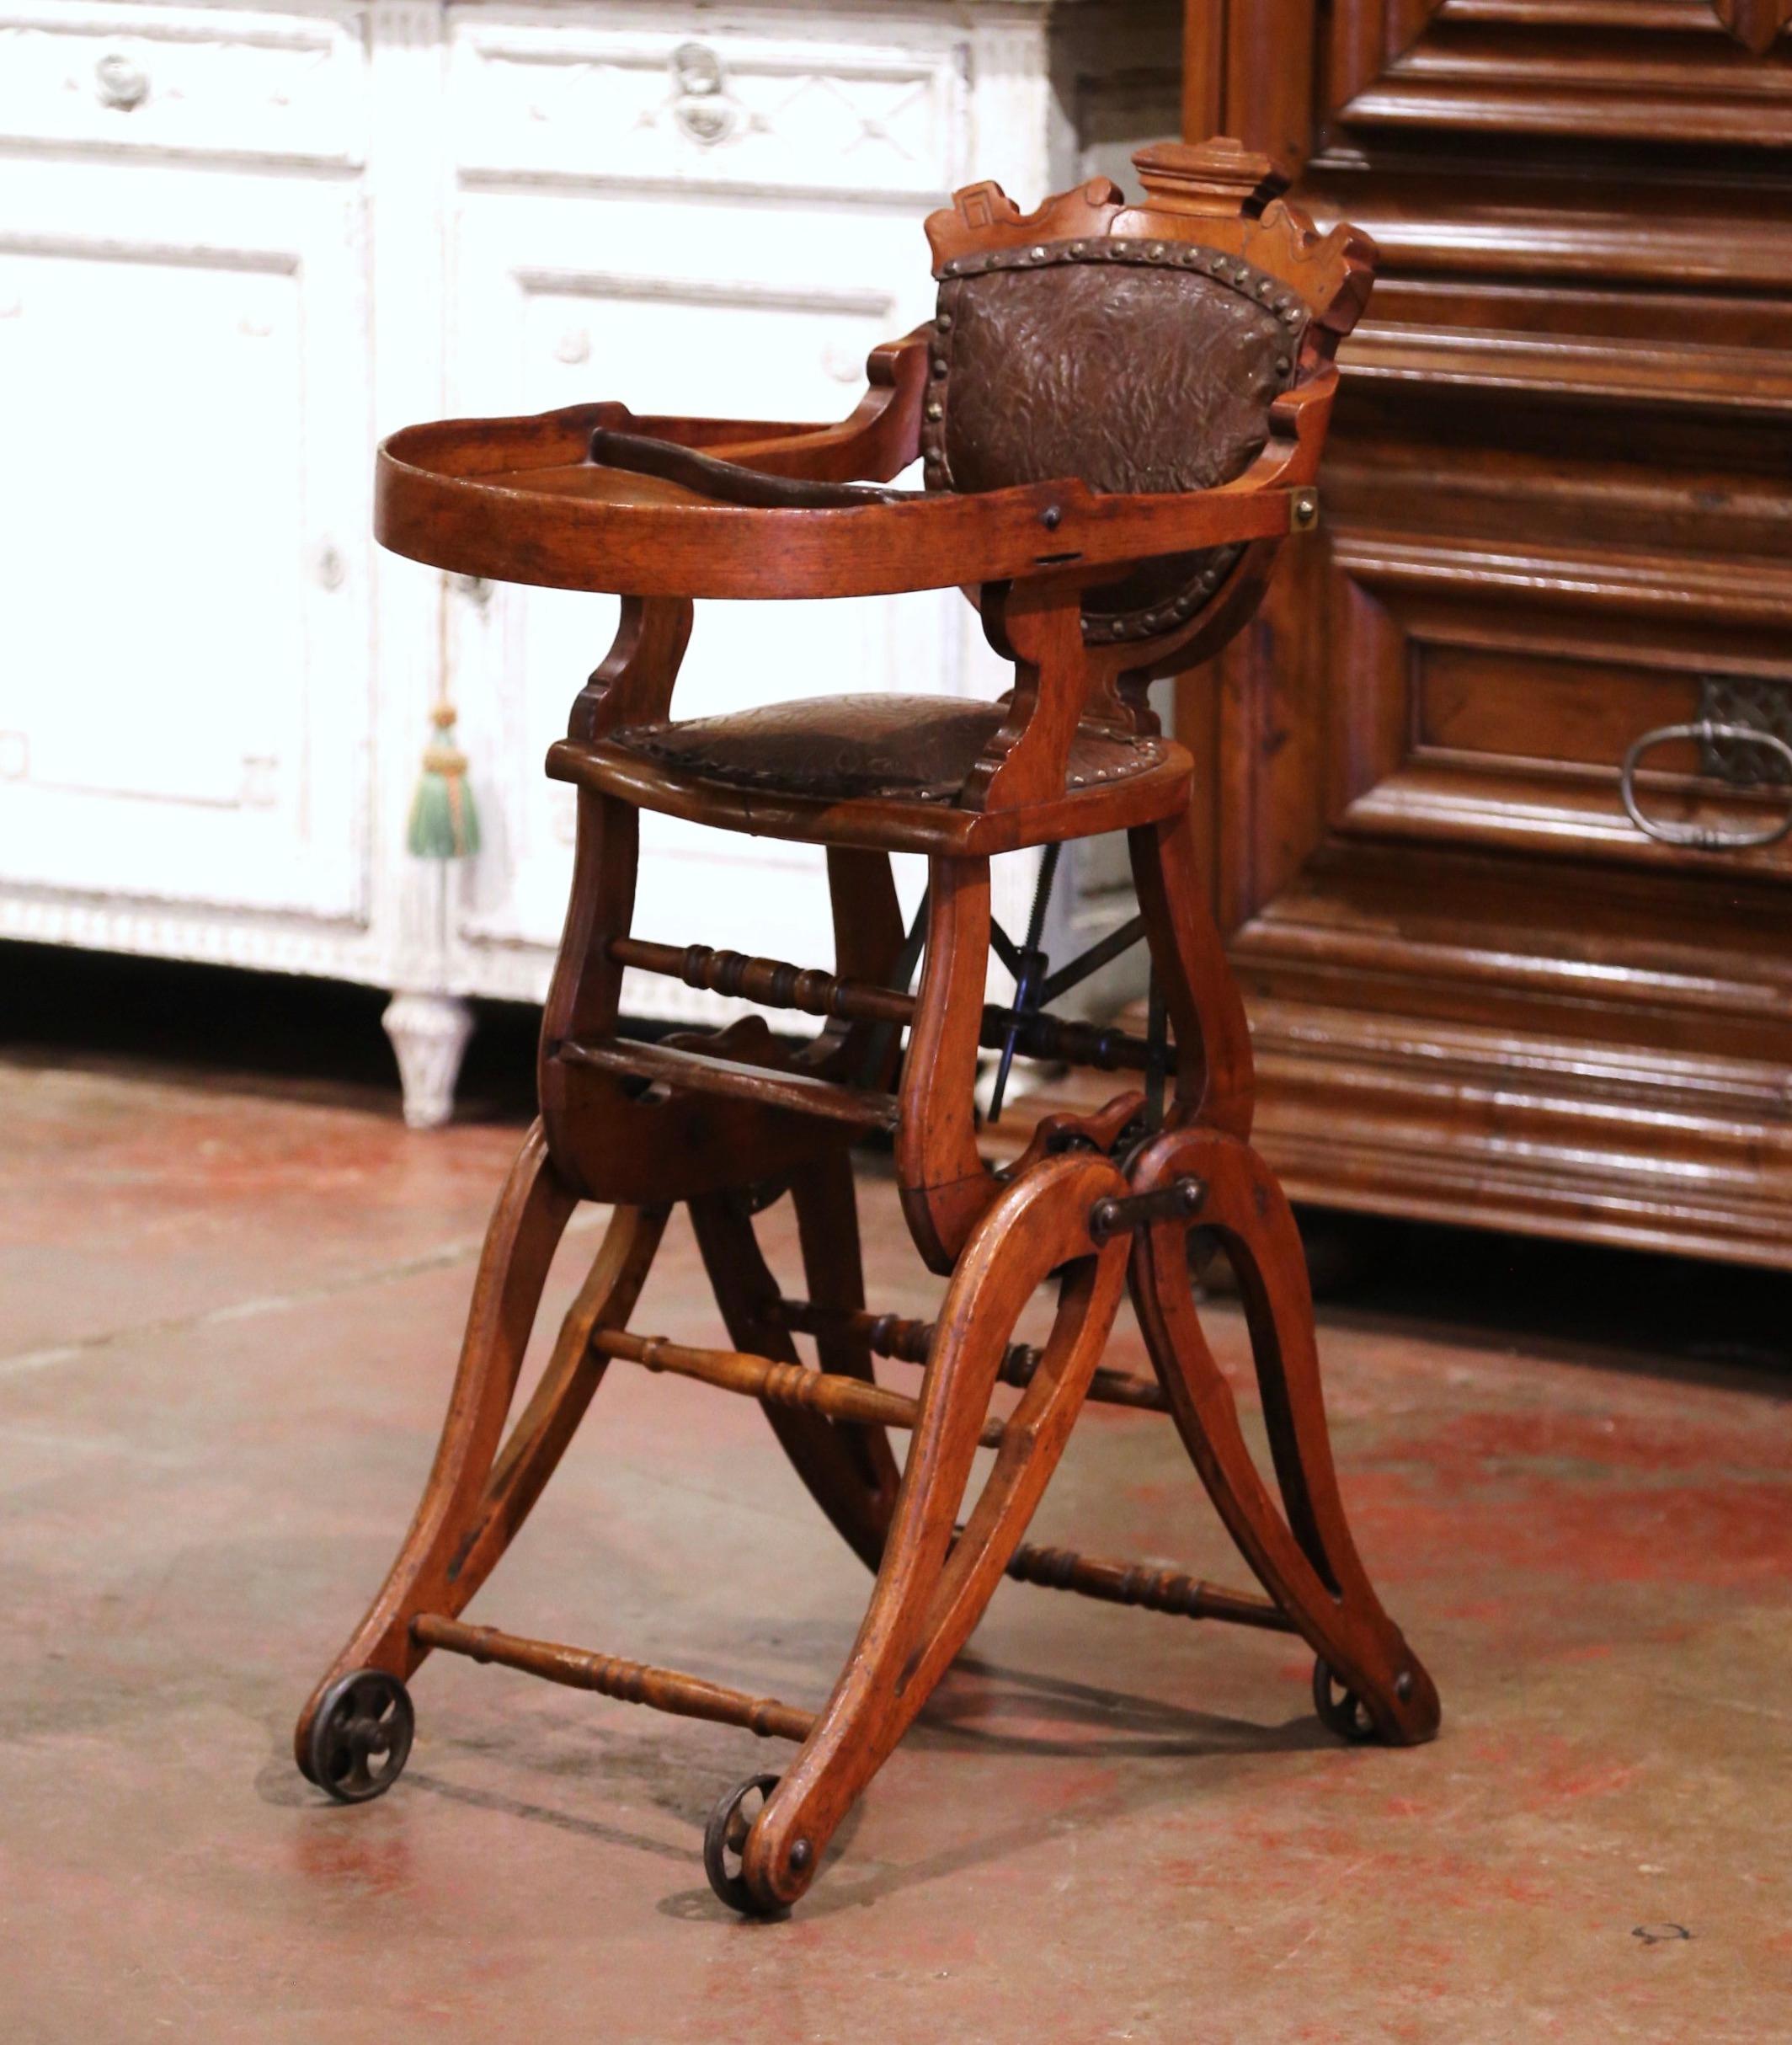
1119 411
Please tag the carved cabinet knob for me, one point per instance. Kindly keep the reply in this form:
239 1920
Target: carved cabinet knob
121 83
703 105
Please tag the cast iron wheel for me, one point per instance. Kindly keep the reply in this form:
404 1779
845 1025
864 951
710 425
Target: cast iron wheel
724 1838
1339 1708
361 1737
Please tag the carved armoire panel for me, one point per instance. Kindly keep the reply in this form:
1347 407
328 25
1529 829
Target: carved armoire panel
1557 517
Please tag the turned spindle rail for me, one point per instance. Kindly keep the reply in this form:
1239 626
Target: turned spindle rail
776 982
661 1690
761 1377
1149 1587
908 1342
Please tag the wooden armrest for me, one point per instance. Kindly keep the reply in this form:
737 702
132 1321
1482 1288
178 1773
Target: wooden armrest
878 440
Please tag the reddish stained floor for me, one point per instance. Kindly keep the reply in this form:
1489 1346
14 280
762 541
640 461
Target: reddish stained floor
226 1322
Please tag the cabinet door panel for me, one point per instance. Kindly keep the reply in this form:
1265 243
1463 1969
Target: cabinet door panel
744 310
1556 520
183 552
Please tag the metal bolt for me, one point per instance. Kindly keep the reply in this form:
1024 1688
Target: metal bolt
1403 1685
1303 513
1051 517
799 1855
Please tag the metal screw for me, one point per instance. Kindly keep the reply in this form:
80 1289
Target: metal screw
1403 1685
799 1855
1050 517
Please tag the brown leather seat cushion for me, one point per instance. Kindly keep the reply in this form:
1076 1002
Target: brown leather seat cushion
907 747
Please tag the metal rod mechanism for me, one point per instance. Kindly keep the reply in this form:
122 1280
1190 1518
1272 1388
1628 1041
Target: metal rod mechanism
1156 1590
661 1690
1030 969
829 1392
910 1341
1181 1200
1157 1058
1004 947
1089 963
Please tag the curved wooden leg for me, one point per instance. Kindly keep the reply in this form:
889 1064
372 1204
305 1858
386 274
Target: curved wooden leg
1306 1560
1214 1076
539 1436
848 1468
827 1206
934 1584
470 1509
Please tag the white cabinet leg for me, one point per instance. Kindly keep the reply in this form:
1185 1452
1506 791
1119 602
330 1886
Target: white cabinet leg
429 1035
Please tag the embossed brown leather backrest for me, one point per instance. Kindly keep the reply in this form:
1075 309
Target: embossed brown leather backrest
1135 349
1135 365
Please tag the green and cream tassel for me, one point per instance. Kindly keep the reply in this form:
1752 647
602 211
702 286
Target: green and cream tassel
444 823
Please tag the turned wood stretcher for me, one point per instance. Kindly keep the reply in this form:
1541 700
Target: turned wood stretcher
1119 412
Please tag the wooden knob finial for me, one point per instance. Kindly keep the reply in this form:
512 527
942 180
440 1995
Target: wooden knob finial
1219 177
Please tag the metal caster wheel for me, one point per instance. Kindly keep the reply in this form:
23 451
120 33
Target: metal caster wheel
1340 1709
361 1737
725 1834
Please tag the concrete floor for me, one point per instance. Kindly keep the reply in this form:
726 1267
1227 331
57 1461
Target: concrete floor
228 1314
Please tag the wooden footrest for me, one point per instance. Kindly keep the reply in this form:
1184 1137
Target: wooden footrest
661 1064
661 1690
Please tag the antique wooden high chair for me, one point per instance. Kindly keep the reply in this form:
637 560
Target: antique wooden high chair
1119 411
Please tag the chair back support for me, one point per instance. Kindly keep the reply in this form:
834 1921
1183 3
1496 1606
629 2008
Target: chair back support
1137 349
1134 366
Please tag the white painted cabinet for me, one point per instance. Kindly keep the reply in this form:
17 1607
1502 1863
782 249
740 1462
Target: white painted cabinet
238 243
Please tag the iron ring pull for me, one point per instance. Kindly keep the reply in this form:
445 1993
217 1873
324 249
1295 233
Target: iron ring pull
1707 731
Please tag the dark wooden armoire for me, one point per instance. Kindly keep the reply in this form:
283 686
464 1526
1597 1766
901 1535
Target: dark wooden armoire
1557 515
